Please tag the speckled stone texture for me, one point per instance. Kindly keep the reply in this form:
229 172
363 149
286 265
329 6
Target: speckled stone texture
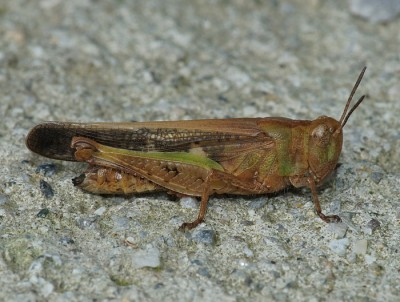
82 60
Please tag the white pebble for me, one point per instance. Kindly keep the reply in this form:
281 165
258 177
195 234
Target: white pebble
339 246
100 211
339 229
149 257
360 247
188 202
369 259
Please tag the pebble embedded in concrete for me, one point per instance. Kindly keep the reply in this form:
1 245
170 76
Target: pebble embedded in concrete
149 257
339 246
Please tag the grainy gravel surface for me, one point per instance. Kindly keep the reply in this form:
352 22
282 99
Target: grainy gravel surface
165 60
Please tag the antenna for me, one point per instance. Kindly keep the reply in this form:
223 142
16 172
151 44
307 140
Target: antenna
344 117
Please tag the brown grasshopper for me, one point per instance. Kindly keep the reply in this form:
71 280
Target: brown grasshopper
242 156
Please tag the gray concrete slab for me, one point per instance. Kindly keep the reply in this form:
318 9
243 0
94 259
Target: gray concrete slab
166 60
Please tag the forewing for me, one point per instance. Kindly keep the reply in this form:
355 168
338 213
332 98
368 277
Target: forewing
53 139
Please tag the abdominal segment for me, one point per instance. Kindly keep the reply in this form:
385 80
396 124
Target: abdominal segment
101 180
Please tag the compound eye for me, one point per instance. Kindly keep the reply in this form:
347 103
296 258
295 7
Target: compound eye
322 134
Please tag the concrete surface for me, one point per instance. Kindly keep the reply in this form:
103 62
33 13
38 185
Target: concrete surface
164 60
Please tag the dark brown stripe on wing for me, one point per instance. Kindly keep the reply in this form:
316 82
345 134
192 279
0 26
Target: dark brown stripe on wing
53 139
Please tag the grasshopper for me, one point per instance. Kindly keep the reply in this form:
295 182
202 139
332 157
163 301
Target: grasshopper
242 156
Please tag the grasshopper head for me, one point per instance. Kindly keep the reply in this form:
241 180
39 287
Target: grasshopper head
324 147
326 138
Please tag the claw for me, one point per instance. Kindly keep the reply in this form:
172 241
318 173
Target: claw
190 225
